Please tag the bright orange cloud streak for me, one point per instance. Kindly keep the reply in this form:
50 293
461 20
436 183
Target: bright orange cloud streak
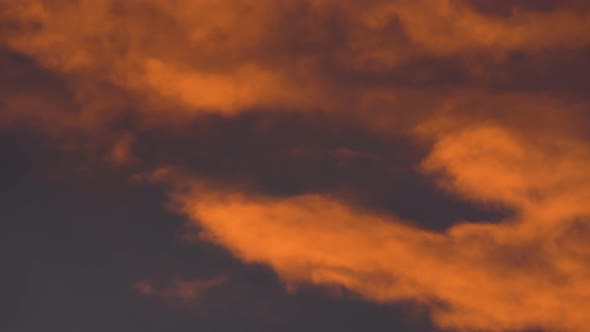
528 271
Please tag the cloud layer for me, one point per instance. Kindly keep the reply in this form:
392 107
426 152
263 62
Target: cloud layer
229 57
253 98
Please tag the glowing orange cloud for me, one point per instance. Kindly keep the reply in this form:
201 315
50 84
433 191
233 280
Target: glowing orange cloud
528 271
545 179
180 54
228 94
161 62
229 56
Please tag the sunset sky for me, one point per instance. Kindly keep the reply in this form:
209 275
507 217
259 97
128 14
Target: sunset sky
295 165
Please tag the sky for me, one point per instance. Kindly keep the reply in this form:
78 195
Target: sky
296 165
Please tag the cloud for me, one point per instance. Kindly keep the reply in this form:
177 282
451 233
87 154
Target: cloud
498 95
184 290
229 57
125 67
180 54
228 93
545 178
528 271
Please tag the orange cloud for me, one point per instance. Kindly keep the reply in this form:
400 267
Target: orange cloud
546 178
384 65
226 93
179 52
230 56
150 60
529 271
